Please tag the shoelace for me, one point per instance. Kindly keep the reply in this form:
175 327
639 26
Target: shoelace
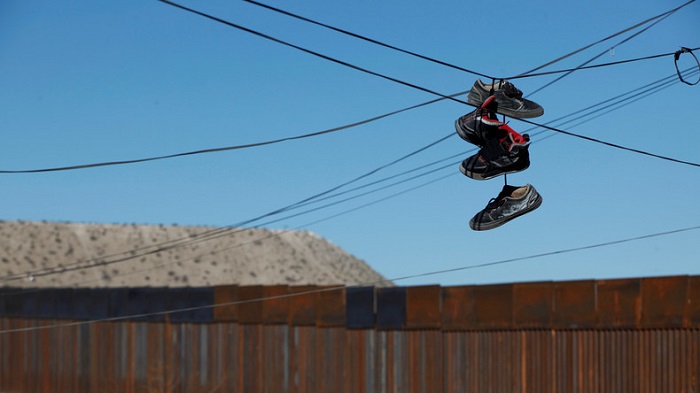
510 90
494 203
500 199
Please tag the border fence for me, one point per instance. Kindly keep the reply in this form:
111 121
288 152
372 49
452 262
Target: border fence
625 335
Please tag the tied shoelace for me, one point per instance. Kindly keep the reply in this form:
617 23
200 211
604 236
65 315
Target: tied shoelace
501 198
494 203
510 90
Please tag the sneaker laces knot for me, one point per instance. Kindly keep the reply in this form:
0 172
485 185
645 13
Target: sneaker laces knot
511 91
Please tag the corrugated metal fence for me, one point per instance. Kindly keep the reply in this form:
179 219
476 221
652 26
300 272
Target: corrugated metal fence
637 335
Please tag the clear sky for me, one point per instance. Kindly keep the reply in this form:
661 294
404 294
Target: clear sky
84 82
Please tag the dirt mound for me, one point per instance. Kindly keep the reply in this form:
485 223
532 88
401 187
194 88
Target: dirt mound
36 254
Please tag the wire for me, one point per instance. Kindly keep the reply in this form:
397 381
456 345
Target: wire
308 51
623 103
237 147
614 145
394 195
580 66
660 17
128 255
321 290
613 63
364 38
603 40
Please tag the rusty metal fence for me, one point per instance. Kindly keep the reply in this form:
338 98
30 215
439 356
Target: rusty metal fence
636 335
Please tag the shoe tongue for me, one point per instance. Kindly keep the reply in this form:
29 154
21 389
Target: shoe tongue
505 192
515 137
511 91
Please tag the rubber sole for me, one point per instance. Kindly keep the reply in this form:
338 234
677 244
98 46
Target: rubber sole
478 176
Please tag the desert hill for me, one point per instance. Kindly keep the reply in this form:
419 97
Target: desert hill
40 254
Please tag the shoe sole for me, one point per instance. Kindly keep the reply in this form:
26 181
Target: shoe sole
477 176
504 111
496 224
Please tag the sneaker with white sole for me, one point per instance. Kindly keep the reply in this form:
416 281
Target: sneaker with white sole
511 203
510 99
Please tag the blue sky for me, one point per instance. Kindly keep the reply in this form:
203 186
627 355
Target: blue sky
86 82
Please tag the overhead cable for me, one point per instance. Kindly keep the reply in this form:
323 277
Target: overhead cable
236 147
612 63
592 59
603 40
364 38
522 75
165 246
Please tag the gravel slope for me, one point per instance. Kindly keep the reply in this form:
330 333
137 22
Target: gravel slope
138 255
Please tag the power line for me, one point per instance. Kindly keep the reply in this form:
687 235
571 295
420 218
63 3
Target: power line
614 145
580 66
228 148
309 51
529 73
613 63
367 39
320 290
660 17
131 254
347 211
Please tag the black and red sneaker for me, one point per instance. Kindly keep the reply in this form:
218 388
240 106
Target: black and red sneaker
503 154
479 125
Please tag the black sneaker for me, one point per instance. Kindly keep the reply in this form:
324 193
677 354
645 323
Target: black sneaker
512 202
480 125
510 99
507 153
